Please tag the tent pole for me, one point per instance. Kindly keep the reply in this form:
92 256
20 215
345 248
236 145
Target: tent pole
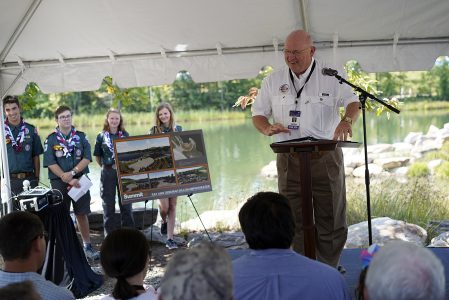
5 180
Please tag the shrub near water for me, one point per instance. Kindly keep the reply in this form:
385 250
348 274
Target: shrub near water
418 201
419 169
442 170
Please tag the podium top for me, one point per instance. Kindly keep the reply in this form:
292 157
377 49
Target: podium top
310 144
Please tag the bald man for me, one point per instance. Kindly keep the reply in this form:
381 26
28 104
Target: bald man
299 101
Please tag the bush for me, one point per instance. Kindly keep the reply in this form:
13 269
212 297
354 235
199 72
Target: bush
442 170
419 169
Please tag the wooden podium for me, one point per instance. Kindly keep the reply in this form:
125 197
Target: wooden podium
304 147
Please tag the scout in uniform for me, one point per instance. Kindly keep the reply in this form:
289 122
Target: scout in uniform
66 155
23 146
104 155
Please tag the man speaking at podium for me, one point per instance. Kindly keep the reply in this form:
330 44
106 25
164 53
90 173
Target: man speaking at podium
302 101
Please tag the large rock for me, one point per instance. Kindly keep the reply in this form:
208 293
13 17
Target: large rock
372 168
412 137
392 162
214 219
270 170
228 240
440 241
384 229
380 148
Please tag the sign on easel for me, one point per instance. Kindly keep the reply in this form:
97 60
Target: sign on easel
160 166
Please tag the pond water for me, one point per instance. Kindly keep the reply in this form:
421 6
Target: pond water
236 152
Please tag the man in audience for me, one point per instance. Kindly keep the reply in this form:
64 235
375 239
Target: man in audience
405 271
202 272
272 270
23 248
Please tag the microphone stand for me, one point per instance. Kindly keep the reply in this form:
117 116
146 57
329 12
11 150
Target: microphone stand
363 95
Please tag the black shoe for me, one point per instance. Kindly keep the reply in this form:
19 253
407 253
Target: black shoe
163 228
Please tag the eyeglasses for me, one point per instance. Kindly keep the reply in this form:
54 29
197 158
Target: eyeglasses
295 53
66 117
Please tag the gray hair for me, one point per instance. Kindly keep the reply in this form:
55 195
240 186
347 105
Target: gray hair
203 272
405 271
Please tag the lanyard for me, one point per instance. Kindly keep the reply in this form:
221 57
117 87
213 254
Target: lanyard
298 93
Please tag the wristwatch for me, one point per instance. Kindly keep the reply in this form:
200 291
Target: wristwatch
347 119
73 172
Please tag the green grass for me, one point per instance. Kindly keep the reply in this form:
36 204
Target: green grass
418 201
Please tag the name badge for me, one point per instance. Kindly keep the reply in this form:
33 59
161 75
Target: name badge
294 119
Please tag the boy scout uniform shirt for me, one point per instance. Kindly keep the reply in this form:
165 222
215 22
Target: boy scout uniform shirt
101 148
53 154
22 162
319 103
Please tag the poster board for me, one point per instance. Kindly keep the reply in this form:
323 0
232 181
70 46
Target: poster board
160 166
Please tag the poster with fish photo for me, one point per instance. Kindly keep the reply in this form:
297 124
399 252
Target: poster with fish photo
158 166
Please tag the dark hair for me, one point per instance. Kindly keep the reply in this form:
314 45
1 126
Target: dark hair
18 230
106 123
11 100
123 254
267 221
23 290
61 109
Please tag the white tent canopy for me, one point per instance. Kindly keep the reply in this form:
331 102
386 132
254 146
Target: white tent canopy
65 45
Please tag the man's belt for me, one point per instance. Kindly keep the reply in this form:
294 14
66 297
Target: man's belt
21 175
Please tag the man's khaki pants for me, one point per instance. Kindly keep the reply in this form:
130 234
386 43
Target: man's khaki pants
329 201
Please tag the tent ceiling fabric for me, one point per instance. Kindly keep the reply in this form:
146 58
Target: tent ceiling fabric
72 45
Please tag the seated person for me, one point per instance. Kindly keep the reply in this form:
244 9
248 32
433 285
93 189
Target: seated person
404 271
272 270
19 291
202 272
23 248
124 255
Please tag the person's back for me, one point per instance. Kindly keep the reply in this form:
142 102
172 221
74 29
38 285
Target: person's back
23 248
272 270
405 271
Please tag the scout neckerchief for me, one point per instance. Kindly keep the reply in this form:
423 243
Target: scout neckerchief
67 144
16 143
108 141
298 93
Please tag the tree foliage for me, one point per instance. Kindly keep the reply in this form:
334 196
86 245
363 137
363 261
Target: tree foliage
186 94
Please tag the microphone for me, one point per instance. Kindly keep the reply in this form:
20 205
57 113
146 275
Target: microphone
329 72
26 185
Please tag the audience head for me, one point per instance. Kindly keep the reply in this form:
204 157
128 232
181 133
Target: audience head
19 291
113 118
159 119
21 233
124 255
405 271
202 272
267 221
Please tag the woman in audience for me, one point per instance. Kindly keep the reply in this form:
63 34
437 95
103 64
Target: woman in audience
124 255
104 155
165 123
